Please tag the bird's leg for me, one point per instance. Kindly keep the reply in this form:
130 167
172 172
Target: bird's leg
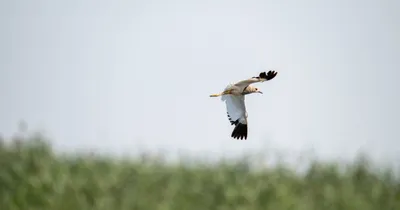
215 95
226 92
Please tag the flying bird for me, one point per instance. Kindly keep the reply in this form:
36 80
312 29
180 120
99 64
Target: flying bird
233 96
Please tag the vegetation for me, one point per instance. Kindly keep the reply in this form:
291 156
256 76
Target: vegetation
32 177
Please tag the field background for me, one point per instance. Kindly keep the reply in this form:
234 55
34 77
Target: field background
33 176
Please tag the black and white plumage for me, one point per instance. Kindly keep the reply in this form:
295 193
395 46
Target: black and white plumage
234 98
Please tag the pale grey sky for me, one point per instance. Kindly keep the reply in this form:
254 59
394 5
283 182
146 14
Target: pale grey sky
122 75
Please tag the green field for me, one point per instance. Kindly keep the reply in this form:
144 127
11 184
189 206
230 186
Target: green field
32 176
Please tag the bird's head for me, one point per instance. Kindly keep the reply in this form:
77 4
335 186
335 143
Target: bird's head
251 89
257 90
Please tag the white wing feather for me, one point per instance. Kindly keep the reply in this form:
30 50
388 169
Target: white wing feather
235 108
244 83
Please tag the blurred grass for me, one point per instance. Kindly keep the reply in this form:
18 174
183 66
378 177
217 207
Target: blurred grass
32 177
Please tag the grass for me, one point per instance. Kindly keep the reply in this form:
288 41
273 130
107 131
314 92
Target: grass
33 177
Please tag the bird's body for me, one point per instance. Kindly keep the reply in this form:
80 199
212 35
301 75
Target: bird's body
234 96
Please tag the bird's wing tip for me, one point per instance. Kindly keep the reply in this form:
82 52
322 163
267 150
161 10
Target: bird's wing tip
268 76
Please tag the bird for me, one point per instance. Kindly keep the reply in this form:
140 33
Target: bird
234 96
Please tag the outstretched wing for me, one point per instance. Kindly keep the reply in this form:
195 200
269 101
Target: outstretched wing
237 115
261 78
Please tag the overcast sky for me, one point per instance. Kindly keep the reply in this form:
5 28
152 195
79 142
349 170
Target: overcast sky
122 75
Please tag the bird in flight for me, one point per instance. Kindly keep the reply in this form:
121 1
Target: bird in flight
233 96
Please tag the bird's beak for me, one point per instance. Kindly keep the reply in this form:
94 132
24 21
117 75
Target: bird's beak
260 92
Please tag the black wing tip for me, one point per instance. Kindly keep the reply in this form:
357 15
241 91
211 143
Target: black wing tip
240 131
268 76
231 121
